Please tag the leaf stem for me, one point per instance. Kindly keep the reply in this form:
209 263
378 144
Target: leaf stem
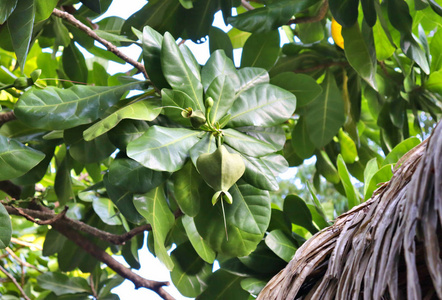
224 217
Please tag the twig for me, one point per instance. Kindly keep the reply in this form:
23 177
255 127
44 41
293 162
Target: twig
247 5
9 275
111 47
6 117
321 14
20 261
104 257
26 244
44 222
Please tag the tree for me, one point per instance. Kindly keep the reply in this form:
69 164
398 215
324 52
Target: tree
88 164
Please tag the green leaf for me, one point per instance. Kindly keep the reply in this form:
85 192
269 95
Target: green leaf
54 108
246 144
298 212
414 51
384 48
144 109
93 5
400 150
258 174
238 37
177 72
61 284
16 159
301 142
325 115
224 285
53 243
153 207
368 7
370 169
247 219
219 40
123 199
249 77
263 261
175 99
434 82
270 17
326 168
344 11
162 148
5 228
127 131
87 152
128 174
63 181
262 105
310 33
348 147
436 51
20 23
384 174
281 244
199 244
205 145
302 86
104 208
189 189
6 9
360 52
152 42
274 136
190 273
217 65
276 163
222 91
253 285
261 50
74 64
350 192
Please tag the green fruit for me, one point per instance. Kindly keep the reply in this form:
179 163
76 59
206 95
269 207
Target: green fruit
221 170
22 82
197 119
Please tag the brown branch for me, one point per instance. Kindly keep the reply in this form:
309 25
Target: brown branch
312 19
111 47
6 117
104 257
26 244
44 216
20 261
247 5
9 275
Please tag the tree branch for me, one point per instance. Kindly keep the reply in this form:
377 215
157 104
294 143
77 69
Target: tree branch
9 275
247 5
312 19
111 47
6 117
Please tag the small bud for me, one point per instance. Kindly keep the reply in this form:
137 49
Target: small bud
22 82
35 75
197 119
209 103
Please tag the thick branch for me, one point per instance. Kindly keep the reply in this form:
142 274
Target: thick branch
321 14
9 275
44 216
111 47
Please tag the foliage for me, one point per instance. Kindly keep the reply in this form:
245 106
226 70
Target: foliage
192 153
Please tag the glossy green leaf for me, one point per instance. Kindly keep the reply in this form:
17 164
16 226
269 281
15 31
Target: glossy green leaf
190 60
301 142
348 147
20 23
360 54
302 86
145 109
6 228
326 168
368 7
384 48
246 144
263 260
400 150
280 221
270 17
384 174
104 208
87 152
298 212
199 244
61 284
219 40
205 145
54 108
217 65
224 285
435 51
53 243
276 163
399 15
162 148
152 42
350 191
281 244
344 11
127 131
16 159
261 50
275 136
238 37
128 174
434 82
247 219
6 9
310 33
262 105
153 206
258 174
74 64
189 189
249 77
325 115
414 51
175 99
123 199
222 91
253 285
94 5
370 169
190 273
63 181
177 72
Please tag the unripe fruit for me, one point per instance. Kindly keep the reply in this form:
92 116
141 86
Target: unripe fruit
197 119
22 82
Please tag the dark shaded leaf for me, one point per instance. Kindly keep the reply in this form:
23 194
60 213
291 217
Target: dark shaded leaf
344 11
218 39
6 228
261 50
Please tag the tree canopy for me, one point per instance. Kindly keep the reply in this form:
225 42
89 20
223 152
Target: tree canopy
191 154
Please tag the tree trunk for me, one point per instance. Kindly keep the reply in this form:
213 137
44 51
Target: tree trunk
389 247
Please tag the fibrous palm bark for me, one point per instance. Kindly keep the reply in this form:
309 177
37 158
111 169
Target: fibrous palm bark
389 247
